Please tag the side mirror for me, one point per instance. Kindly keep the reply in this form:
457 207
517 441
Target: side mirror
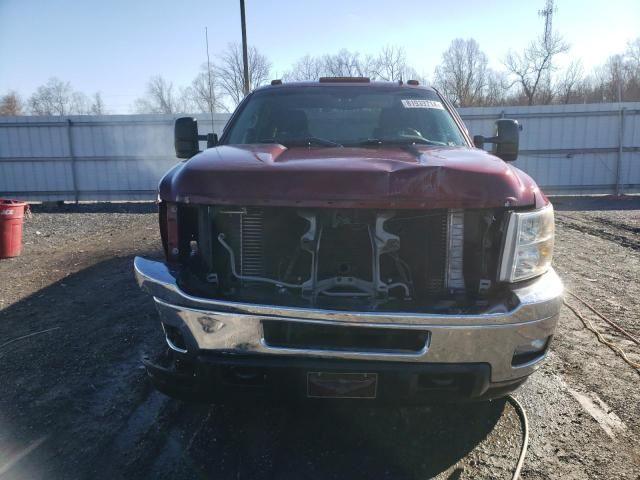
186 137
506 140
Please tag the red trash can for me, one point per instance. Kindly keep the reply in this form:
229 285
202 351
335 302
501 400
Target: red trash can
11 218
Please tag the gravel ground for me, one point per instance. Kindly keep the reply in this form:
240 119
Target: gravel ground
75 402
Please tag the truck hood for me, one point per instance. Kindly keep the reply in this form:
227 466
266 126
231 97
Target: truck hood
389 177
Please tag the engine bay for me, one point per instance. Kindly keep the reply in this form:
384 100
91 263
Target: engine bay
353 259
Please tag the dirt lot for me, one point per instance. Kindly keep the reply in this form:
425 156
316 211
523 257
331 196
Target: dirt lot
75 403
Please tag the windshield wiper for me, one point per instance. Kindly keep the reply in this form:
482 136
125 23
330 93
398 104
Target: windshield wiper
321 141
308 141
399 140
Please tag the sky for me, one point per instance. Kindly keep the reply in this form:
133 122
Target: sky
114 46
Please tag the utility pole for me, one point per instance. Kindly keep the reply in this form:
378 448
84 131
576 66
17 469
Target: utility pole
245 60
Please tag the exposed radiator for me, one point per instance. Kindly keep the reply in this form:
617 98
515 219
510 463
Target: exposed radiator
454 273
252 243
436 280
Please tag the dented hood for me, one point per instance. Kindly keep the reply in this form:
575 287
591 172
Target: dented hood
388 177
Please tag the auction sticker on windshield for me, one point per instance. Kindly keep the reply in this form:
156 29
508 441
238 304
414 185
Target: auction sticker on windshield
422 103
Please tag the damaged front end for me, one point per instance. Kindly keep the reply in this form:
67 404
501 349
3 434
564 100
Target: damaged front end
343 259
414 301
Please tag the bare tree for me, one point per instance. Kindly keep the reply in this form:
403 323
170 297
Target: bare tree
615 77
618 79
391 65
53 98
80 104
57 97
463 73
11 104
160 97
306 68
495 89
348 64
204 92
632 90
97 105
230 71
569 82
546 92
633 54
534 65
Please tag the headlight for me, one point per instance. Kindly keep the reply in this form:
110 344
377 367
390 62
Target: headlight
528 245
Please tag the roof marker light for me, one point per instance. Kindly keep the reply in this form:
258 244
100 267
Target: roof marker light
344 80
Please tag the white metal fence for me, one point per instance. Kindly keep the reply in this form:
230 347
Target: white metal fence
567 149
573 149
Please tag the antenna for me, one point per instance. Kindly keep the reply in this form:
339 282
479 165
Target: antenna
206 36
547 13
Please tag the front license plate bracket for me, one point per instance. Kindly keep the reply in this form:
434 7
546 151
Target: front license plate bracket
342 385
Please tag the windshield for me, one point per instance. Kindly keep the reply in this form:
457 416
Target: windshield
345 116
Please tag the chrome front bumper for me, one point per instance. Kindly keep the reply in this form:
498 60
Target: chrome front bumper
236 328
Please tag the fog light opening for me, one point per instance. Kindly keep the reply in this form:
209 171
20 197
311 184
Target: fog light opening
174 338
530 351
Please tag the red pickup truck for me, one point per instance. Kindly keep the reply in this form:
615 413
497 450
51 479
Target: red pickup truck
348 239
